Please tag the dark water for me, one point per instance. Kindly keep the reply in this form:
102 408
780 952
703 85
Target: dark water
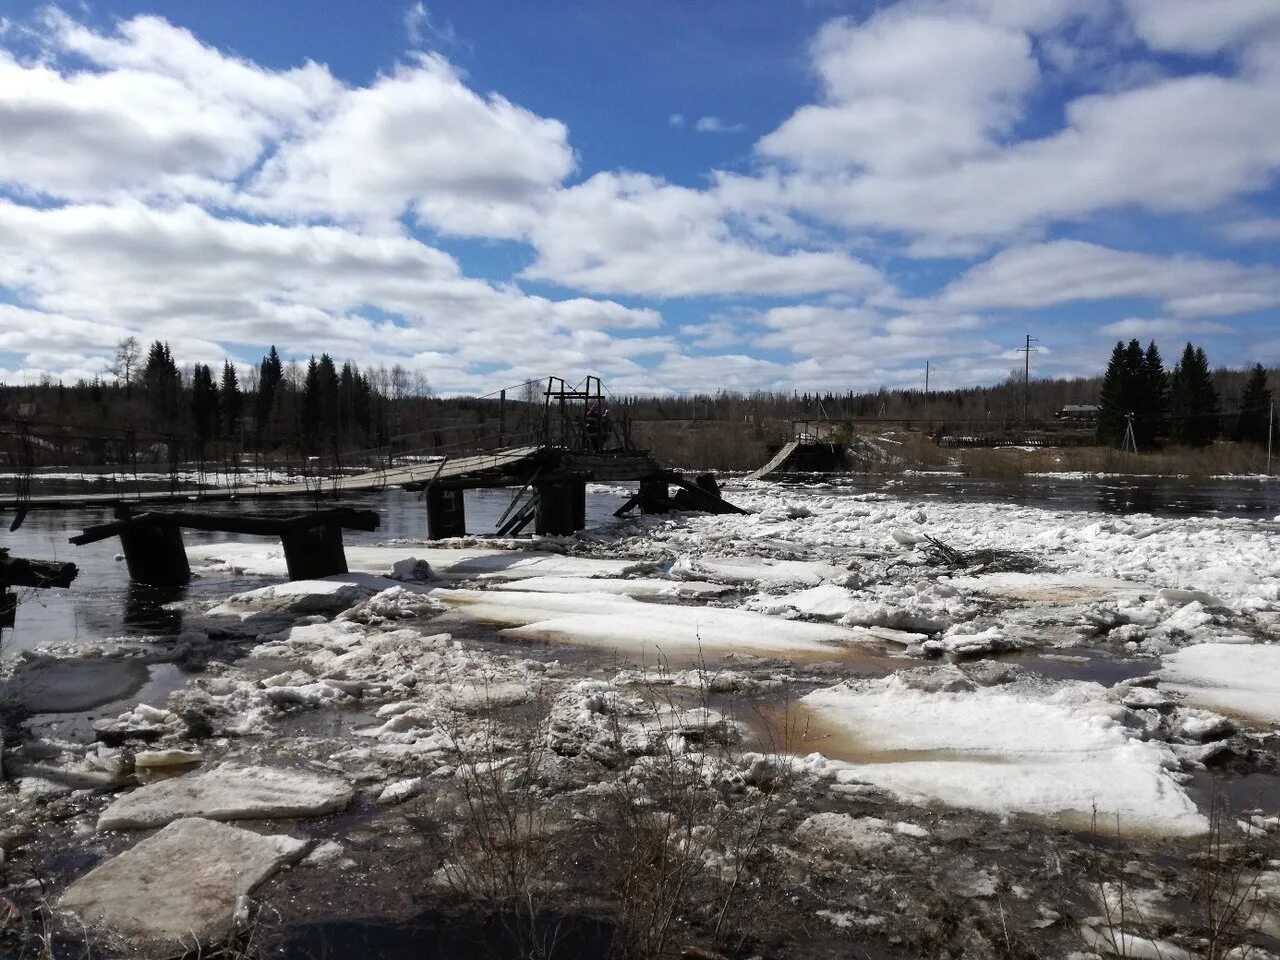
436 936
102 603
1159 496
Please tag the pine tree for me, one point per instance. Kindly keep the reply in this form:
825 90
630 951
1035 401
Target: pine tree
231 401
1255 408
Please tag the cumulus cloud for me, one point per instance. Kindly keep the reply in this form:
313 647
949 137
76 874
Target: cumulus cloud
419 138
1071 271
636 234
907 92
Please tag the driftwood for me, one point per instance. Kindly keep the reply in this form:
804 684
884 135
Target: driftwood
990 560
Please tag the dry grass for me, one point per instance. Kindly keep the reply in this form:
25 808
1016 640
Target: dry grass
704 444
671 844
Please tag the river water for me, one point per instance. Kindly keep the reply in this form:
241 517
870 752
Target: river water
102 603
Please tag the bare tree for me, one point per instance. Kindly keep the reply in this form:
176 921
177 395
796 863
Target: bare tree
126 357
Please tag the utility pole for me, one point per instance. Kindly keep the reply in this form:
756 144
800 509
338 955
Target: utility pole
926 379
1026 375
1130 442
1271 432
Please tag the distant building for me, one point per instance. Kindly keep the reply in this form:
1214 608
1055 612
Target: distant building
1079 412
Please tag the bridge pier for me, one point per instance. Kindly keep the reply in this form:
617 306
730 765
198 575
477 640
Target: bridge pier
311 553
446 513
654 495
562 507
154 553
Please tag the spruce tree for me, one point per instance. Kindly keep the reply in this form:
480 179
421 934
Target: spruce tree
1255 408
270 373
204 404
311 404
231 401
1154 398
327 375
1193 400
1114 398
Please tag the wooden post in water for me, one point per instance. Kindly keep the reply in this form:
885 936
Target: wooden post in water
654 495
446 513
311 553
562 506
154 552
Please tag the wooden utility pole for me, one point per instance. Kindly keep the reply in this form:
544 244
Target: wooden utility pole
1026 375
1271 432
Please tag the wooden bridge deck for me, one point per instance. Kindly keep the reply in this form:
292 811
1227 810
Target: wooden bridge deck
478 467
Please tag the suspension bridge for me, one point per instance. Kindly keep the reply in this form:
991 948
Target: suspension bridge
548 450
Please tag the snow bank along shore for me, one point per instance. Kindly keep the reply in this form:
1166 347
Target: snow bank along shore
907 644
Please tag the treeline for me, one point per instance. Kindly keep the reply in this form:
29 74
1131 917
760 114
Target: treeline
312 409
1143 404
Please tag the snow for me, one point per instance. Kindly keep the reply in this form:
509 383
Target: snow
633 587
461 563
1056 752
1241 680
760 572
647 629
1045 588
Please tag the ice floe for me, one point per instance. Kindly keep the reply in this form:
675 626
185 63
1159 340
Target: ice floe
1238 679
642 629
1059 753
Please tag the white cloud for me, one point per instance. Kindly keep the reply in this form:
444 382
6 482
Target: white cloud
676 120
156 111
907 93
1259 228
1202 26
630 233
416 19
1071 271
420 138
1144 327
91 274
716 125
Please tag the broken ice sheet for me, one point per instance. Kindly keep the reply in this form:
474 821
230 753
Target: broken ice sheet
1054 751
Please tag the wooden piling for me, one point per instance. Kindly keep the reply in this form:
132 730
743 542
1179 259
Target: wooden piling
654 495
446 513
154 553
311 553
562 506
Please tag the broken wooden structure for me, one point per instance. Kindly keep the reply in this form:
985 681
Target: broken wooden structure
23 572
155 554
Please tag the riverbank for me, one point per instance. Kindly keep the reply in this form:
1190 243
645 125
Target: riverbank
849 721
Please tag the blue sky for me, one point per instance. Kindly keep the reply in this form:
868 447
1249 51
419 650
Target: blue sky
678 196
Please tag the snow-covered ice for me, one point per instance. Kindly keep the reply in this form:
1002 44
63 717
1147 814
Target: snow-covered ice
1238 679
1058 752
648 629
